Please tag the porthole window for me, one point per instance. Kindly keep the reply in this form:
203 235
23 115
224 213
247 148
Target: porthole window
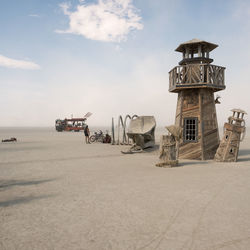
190 129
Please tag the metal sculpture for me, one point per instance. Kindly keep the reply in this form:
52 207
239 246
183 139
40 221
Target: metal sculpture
141 130
121 125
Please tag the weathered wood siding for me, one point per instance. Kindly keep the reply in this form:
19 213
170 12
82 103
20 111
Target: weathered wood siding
189 108
209 124
190 151
198 103
229 146
178 116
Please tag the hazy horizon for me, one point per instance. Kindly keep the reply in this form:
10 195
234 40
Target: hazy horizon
112 57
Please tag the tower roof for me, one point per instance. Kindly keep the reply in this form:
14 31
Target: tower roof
194 43
239 110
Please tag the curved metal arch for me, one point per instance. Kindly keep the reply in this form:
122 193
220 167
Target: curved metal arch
122 123
113 131
125 137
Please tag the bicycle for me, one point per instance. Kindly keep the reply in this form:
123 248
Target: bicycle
97 137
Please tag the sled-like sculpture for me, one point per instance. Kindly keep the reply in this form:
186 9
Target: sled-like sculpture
142 131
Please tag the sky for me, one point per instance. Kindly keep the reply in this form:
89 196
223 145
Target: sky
112 57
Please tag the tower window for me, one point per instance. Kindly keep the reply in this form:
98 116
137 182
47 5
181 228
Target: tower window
190 129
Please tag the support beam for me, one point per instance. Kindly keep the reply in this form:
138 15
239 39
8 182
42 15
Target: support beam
201 131
199 51
187 52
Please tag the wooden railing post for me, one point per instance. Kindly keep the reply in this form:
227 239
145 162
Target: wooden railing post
208 75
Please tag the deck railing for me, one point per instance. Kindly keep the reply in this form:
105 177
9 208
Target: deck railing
197 74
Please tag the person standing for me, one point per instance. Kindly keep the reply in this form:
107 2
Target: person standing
86 133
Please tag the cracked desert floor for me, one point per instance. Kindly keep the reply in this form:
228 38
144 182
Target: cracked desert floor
56 192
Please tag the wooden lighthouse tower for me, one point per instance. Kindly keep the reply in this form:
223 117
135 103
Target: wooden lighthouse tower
195 80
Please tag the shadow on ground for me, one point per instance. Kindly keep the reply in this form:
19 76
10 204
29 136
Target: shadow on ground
244 152
22 200
11 183
155 148
243 159
186 163
11 147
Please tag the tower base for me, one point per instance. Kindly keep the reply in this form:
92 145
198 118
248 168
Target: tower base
196 114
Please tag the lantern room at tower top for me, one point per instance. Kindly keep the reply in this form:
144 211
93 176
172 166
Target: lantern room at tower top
195 69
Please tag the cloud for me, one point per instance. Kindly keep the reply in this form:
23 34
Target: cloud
18 64
107 20
34 15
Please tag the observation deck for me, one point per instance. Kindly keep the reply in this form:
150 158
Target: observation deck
195 69
197 76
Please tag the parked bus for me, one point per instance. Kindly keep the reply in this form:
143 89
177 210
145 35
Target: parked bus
73 124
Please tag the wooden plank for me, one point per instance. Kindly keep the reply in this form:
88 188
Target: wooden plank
210 153
192 113
199 85
233 128
208 103
203 73
201 124
211 132
195 73
215 114
180 122
191 108
210 138
190 151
